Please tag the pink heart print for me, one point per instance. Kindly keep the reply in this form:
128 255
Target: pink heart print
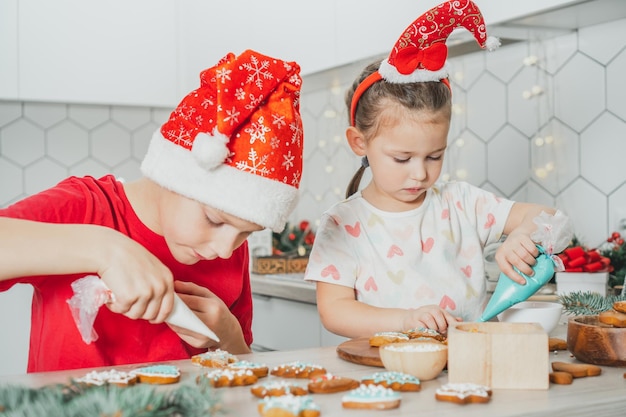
355 230
370 284
427 245
458 204
447 303
394 250
445 214
467 270
491 220
332 271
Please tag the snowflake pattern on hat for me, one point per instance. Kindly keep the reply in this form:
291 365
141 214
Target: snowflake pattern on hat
243 119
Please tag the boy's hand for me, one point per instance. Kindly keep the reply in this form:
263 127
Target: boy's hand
519 251
215 314
142 285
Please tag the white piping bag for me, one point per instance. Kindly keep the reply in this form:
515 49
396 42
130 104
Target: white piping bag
90 293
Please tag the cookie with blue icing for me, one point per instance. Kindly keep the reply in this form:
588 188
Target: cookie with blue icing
157 374
374 397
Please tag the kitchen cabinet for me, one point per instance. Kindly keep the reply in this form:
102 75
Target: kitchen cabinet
150 52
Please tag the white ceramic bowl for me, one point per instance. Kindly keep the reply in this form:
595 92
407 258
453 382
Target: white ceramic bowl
422 359
546 313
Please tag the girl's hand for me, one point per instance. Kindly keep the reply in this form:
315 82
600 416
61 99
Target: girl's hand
215 314
142 285
519 251
431 317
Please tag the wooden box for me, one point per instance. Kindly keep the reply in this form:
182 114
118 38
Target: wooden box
499 355
279 264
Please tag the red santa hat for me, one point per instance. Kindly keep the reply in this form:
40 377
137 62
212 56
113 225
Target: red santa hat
236 142
420 53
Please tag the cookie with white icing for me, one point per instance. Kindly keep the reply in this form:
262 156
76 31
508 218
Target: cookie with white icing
214 359
259 369
157 374
397 381
463 393
298 369
225 377
375 397
277 388
288 406
112 376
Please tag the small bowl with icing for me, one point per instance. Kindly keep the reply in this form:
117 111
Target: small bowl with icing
424 359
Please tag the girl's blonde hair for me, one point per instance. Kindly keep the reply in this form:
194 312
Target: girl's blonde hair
428 96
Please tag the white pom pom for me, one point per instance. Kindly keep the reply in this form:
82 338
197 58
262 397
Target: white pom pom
492 43
210 151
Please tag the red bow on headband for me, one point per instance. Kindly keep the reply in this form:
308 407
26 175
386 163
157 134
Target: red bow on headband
432 58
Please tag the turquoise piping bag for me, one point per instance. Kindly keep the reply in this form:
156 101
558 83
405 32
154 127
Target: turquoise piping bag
509 292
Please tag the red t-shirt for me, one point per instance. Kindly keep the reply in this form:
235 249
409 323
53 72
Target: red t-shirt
55 342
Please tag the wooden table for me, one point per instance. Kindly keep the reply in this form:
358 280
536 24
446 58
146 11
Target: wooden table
604 395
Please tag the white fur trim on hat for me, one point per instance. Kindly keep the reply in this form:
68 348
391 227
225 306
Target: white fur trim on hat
391 74
251 197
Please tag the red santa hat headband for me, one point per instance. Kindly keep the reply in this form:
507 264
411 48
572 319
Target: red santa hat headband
236 142
420 53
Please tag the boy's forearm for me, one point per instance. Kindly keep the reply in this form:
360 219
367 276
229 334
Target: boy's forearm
34 248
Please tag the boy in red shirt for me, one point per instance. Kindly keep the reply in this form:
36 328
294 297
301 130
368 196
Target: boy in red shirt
227 163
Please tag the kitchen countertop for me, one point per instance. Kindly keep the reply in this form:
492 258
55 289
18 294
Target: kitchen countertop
604 395
293 287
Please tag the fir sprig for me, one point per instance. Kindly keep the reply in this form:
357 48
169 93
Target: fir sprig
588 303
109 401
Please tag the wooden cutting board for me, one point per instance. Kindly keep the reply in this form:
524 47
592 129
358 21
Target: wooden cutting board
359 351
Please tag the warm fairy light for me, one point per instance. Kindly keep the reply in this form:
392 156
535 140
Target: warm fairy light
457 109
330 114
526 94
329 169
445 177
337 191
536 90
531 60
318 197
539 141
541 173
337 138
549 139
321 143
550 166
459 76
336 89
460 142
461 173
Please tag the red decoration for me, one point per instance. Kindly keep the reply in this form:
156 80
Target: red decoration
577 259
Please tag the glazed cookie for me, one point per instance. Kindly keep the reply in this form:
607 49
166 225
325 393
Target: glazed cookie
277 388
113 377
613 318
328 384
375 397
157 374
288 406
382 338
224 377
397 381
620 306
460 393
298 369
258 369
578 370
554 343
214 359
561 378
425 332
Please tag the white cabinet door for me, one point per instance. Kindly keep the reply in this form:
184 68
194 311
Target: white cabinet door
111 52
8 50
280 324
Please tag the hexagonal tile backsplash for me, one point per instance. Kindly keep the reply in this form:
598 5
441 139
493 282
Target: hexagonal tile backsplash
539 121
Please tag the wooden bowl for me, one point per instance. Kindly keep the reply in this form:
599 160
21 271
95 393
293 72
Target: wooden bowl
593 342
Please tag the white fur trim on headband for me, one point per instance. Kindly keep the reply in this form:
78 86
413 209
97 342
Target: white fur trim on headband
248 196
391 74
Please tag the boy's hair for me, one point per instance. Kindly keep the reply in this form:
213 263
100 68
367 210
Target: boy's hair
431 97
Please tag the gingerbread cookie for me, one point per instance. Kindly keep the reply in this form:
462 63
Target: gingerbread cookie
113 377
214 359
157 374
298 369
561 378
463 393
554 343
382 338
224 377
397 381
328 384
620 306
277 388
423 332
578 370
375 397
613 318
258 369
288 406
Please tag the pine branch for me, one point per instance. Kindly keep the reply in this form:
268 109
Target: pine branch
587 303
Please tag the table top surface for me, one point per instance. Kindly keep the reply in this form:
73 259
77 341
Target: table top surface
604 395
